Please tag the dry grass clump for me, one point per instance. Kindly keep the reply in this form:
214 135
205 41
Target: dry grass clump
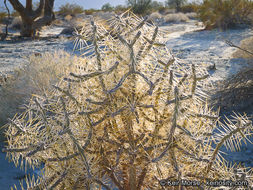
131 117
155 16
16 23
68 18
36 77
191 15
176 17
12 95
48 68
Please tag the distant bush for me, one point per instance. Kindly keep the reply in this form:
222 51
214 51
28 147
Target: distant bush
90 11
191 15
176 17
156 6
68 17
166 11
107 7
120 9
176 4
70 9
155 16
16 23
140 7
189 8
225 13
3 14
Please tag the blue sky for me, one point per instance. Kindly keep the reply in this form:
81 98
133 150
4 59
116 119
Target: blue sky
87 4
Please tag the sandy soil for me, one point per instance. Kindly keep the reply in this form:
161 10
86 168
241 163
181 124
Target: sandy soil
13 54
186 41
193 45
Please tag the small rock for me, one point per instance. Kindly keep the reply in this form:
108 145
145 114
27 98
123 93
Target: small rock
212 67
37 54
68 31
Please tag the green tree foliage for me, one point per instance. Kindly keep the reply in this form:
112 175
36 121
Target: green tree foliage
176 4
225 13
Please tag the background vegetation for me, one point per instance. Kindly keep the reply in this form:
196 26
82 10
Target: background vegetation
177 4
70 9
225 13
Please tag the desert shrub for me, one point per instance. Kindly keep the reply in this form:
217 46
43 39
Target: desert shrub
192 15
131 116
16 23
176 4
68 18
155 16
48 68
90 11
140 7
176 17
163 10
157 6
167 10
70 9
38 75
189 7
119 9
225 13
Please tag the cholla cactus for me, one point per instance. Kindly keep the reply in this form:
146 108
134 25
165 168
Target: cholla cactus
131 117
